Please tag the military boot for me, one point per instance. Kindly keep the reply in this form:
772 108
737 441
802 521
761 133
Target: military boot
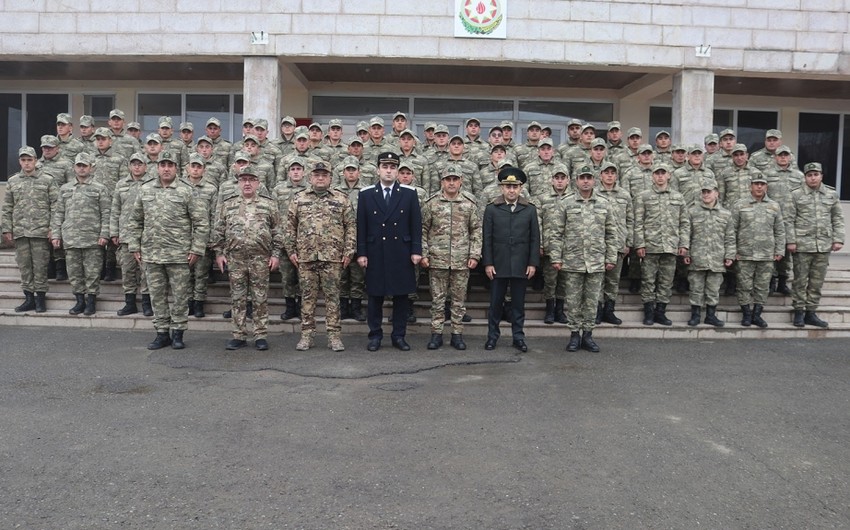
457 341
695 316
575 341
91 305
648 313
746 316
109 273
40 303
61 271
812 319
799 321
297 306
436 341
129 305
335 342
634 286
147 308
549 317
588 343
771 288
782 286
177 339
80 305
411 316
344 308
757 319
599 309
199 309
608 314
661 315
249 310
161 341
711 316
357 310
191 306
560 316
289 312
29 303
306 341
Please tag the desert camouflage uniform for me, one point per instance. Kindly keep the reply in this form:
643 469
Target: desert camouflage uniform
123 200
707 252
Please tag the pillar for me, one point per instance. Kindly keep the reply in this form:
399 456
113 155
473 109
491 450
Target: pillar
693 106
261 90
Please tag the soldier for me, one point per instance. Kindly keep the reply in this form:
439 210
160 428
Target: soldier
755 238
637 179
540 169
455 155
733 183
688 178
628 156
368 171
575 156
451 247
168 233
69 147
264 169
399 125
614 140
352 283
622 206
406 177
248 240
214 171
87 133
153 147
782 177
585 242
108 164
28 205
132 275
333 140
510 255
376 142
408 154
134 129
663 149
678 156
430 126
815 227
269 152
711 144
125 145
763 158
175 145
80 225
187 136
662 231
554 283
206 193
528 150
722 157
282 195
54 165
320 240
706 254
362 132
494 138
487 174
221 147
317 147
507 127
573 136
474 146
286 142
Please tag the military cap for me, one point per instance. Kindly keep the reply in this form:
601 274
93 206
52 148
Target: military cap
86 120
609 165
103 132
440 128
430 125
187 126
613 125
642 148
319 166
773 133
116 113
739 147
206 139
351 161
26 151
657 168
134 125
407 131
214 121
48 140
302 134
376 120
316 125
585 170
759 177
399 113
695 148
261 123
560 168
547 128
388 157
301 129
362 126
495 128
166 156
196 158
726 132
502 163
248 171
287 119
679 147
459 137
137 156
597 142
512 175
587 126
241 155
507 125
355 140
84 158
708 184
470 120
783 149
659 133
249 121
711 139
545 141
165 122
297 161
153 137
574 121
406 165
336 122
252 138
812 166
63 117
534 124
498 146
452 170
634 131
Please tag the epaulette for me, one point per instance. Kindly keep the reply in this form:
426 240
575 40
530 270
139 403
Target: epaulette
368 188
407 186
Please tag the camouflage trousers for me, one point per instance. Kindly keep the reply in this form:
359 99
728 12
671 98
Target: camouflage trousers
132 273
753 281
249 273
785 266
704 287
417 270
162 278
352 282
634 272
289 278
809 274
84 265
451 284
200 275
554 282
318 276
111 255
32 255
611 280
656 279
582 297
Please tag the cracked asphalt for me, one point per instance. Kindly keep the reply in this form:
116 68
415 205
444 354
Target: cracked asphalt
98 432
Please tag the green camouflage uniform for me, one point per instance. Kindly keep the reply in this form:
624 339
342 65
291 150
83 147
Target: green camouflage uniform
352 281
58 167
69 148
540 175
622 206
554 282
707 252
718 161
636 179
123 145
282 195
123 200
733 183
206 193
780 182
687 180
441 160
221 151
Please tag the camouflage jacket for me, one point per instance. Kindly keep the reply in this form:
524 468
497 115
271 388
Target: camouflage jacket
28 205
708 237
584 233
662 224
756 230
321 227
248 227
123 199
814 219
733 184
622 206
687 180
451 231
81 216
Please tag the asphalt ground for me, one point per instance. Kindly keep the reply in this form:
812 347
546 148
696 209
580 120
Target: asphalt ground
98 432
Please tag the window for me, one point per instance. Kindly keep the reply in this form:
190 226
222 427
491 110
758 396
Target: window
25 118
98 107
352 109
12 121
818 142
197 108
660 119
751 126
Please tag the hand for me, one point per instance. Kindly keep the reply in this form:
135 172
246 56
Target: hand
221 261
683 251
557 266
471 263
137 256
363 261
778 257
346 261
7 237
687 260
192 259
727 262
101 241
415 258
641 252
490 271
609 266
274 263
530 270
626 251
424 263
837 246
293 258
792 247
542 252
116 241
56 243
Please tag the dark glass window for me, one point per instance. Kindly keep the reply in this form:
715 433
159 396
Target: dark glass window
11 122
818 142
660 119
327 107
152 106
752 124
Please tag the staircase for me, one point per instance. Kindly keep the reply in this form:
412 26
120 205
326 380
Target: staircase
835 308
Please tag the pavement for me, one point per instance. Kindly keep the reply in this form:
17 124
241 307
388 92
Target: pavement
98 432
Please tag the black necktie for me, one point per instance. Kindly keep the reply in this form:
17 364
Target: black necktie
387 195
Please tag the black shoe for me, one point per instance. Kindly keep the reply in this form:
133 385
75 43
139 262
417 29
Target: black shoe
435 342
490 344
457 341
235 344
61 271
91 305
227 314
575 341
199 309
608 314
129 305
40 303
782 286
80 305
587 342
161 341
261 344
695 315
648 313
147 309
290 312
799 321
29 303
560 316
520 345
549 316
374 344
812 319
757 319
466 318
401 344
661 315
711 316
177 339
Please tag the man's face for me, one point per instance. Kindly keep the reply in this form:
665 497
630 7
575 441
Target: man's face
441 139
507 134
116 123
405 176
186 136
335 133
261 133
247 128
495 137
399 124
597 154
662 142
351 174
248 184
135 133
546 152
103 142
387 173
205 149
695 158
739 158
27 164
355 149
497 156
634 141
450 185
82 171
711 148
574 132
376 132
772 143
287 129
251 147
709 197
301 144
429 135
759 190
86 130
814 179
167 171
320 180
213 131
456 147
49 152
645 158
510 192
153 149
679 156
560 182
315 135
138 168
63 129
364 135
783 159
196 171
615 135
585 183
545 133
166 132
533 133
587 136
659 178
473 129
727 142
407 142
608 177
296 174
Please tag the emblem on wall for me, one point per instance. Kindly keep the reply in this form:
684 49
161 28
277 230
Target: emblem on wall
482 19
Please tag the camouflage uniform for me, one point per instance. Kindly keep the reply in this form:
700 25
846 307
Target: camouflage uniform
58 167
123 200
441 160
780 183
540 175
622 206
207 194
352 282
547 203
123 144
707 252
282 195
687 181
733 183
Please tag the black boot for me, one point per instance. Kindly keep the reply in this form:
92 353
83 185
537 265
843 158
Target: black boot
812 319
29 302
80 305
731 283
549 317
436 341
129 305
599 309
799 321
191 306
249 310
411 317
289 312
297 306
634 286
661 315
40 303
560 317
91 305
357 310
695 316
177 339
575 341
757 319
608 314
648 313
228 314
147 308
782 286
447 311
771 288
746 316
199 309
61 271
711 316
344 308
109 274
587 342
457 341
161 341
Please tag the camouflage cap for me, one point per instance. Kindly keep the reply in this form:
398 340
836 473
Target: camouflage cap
261 123
355 140
138 157
297 161
134 125
165 122
301 129
726 132
660 168
214 121
613 125
758 177
609 165
507 125
452 170
320 166
495 128
560 168
430 125
103 132
241 155
584 170
598 142
287 119
153 137
48 140
440 128
708 184
388 157
247 121
711 139
206 139
84 158
196 158
773 133
166 156
249 172
813 166
642 148
495 147
545 141
470 120
251 138
351 161
316 125
362 126
659 133
456 137
739 148
512 175
63 117
116 113
634 131
26 151
187 126
86 121
336 122
399 113
679 147
407 132
502 163
574 121
587 126
302 135
783 149
695 148
376 120
534 124
406 165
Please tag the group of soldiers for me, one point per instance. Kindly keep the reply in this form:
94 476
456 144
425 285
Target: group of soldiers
164 208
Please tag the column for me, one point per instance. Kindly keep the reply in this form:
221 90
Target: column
693 106
261 90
